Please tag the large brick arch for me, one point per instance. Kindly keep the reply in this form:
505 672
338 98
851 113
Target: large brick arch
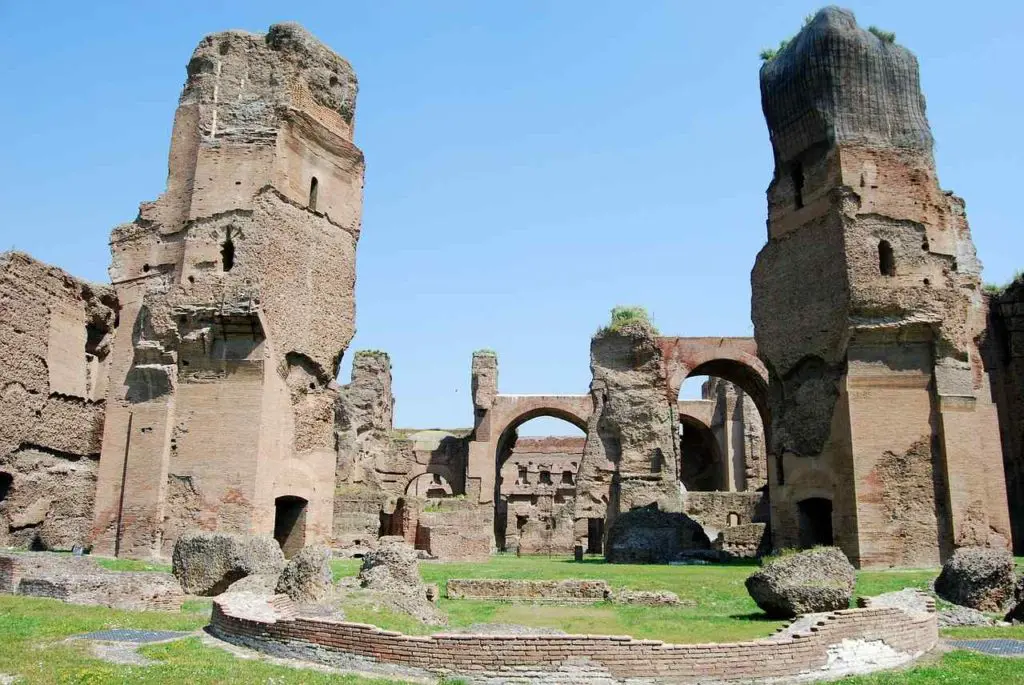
512 411
508 412
733 359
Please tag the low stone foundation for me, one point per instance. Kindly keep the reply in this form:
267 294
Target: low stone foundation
555 591
78 580
832 645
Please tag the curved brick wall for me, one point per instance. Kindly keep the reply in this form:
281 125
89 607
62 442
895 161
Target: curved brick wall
853 640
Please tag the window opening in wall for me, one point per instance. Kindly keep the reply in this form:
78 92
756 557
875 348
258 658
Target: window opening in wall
227 251
733 519
567 478
314 186
796 172
815 521
290 524
5 484
522 476
886 259
545 477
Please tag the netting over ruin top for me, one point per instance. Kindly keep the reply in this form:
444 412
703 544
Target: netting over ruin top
836 82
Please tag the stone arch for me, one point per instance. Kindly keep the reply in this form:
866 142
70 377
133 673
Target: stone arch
503 447
429 484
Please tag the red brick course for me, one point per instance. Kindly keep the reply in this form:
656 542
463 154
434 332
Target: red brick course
621 656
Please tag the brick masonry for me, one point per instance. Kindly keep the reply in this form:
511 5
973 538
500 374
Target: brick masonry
799 655
561 591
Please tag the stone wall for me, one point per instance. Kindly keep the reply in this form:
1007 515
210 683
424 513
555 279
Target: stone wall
78 580
892 637
560 591
55 338
1005 362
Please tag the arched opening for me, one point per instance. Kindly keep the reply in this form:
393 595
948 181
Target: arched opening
290 524
733 519
227 250
535 486
815 521
886 259
430 486
314 187
700 466
723 424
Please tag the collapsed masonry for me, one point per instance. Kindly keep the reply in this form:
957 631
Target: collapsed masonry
55 343
198 390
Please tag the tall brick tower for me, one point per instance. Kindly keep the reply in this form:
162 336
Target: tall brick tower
237 296
868 312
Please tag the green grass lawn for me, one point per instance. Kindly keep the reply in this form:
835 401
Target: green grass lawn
34 646
34 632
724 611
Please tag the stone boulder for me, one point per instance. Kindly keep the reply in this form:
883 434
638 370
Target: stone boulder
650 536
815 580
307 576
981 578
208 563
390 579
392 565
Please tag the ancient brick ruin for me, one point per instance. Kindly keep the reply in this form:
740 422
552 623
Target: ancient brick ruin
199 391
868 312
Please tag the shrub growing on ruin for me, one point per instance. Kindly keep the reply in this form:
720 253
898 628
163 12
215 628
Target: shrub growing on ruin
623 315
884 36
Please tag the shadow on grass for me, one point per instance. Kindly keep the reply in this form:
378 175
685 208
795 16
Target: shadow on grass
600 561
755 616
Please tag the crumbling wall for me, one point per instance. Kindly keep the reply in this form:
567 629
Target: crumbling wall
363 419
237 293
1004 349
381 473
55 337
630 458
867 313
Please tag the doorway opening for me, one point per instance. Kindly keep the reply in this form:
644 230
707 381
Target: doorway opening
290 524
815 521
595 536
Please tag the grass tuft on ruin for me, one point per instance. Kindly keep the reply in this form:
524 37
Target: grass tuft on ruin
883 35
625 315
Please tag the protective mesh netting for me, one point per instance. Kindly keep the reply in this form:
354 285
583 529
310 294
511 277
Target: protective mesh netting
836 82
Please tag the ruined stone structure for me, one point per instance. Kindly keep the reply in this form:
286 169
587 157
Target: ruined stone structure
1005 360
55 335
198 390
537 486
867 312
236 303
536 513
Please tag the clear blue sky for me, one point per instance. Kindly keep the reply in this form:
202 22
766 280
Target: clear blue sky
529 164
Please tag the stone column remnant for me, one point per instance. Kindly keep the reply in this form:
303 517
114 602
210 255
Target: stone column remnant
237 302
867 312
631 456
